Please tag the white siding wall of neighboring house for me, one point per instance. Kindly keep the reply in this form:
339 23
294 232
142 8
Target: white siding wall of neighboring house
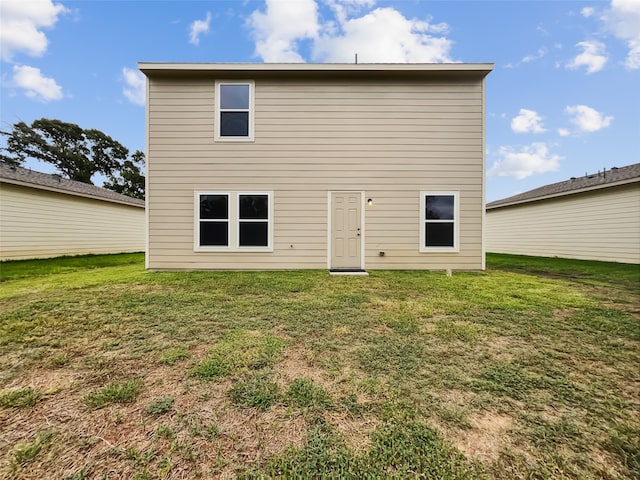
36 223
598 225
389 140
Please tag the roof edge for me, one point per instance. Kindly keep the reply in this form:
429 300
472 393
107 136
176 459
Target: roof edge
175 67
489 205
37 186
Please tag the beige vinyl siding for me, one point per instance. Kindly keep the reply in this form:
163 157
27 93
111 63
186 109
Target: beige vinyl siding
36 223
388 139
598 225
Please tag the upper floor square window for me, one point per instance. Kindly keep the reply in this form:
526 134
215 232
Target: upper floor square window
234 111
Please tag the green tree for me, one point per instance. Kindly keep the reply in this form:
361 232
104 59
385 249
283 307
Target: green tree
129 179
76 153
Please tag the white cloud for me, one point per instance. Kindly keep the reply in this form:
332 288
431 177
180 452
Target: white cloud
587 12
198 28
383 35
278 30
593 56
633 57
379 35
136 86
542 30
623 21
35 85
21 24
529 58
527 121
529 160
588 119
563 132
536 56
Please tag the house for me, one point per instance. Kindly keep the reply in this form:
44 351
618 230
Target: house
595 217
43 215
346 167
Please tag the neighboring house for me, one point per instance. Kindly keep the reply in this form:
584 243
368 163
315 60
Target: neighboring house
308 166
44 215
596 217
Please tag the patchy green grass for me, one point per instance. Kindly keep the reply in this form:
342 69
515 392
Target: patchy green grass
237 351
160 406
174 355
398 450
26 397
527 370
115 392
27 452
256 390
303 393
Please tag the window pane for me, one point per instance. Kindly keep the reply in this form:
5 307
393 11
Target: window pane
254 234
438 234
440 207
234 124
214 207
234 96
214 234
254 207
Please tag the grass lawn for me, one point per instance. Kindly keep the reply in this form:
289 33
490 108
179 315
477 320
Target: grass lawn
528 370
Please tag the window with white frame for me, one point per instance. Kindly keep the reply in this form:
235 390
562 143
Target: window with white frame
234 221
439 221
234 111
213 220
253 220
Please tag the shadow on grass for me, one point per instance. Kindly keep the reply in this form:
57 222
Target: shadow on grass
14 269
588 272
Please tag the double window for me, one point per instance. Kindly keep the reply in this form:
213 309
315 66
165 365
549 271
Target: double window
234 111
439 219
234 221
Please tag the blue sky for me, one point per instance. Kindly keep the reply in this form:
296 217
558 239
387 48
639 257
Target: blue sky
563 99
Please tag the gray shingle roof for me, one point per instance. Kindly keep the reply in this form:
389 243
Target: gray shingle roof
606 178
56 183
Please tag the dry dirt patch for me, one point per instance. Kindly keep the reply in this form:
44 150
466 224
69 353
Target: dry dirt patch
296 364
356 432
487 437
459 398
122 439
504 349
45 380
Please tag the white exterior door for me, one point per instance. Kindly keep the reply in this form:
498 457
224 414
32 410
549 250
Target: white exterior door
346 230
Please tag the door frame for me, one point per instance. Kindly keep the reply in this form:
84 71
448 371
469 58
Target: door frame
330 223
